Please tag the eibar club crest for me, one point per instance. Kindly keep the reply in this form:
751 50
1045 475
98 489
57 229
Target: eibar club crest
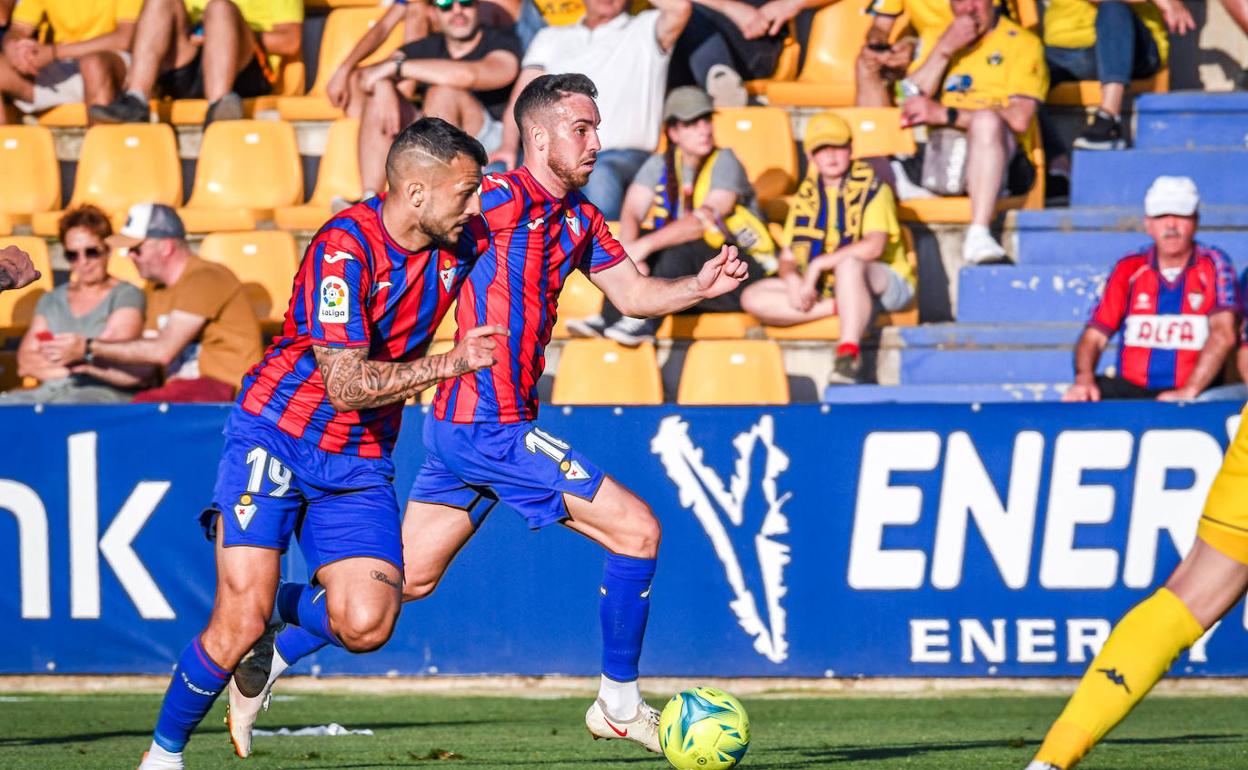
446 273
750 556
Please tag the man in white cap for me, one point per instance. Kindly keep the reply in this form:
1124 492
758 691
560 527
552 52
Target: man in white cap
1175 303
201 330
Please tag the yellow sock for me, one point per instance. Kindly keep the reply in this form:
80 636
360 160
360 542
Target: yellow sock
1138 652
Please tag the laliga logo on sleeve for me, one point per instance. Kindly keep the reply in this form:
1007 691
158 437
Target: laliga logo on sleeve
335 302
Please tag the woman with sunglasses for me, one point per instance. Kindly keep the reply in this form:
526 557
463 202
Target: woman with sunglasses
92 303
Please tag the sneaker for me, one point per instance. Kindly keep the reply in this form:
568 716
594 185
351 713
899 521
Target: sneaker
642 728
980 247
631 332
845 370
1104 132
250 691
725 87
1038 765
126 108
593 326
228 107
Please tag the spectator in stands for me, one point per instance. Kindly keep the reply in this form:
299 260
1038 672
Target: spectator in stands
92 304
1174 302
465 71
16 269
627 57
1114 42
343 89
221 50
201 330
841 251
977 91
881 64
679 210
86 63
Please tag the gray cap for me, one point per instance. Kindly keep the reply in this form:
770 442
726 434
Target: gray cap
148 220
687 103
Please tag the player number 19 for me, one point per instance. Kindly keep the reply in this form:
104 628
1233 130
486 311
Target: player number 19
278 474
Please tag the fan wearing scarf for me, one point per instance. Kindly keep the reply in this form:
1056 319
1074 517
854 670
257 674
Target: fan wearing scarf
683 205
841 250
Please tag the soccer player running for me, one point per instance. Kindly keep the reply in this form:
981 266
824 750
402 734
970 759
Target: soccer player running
1206 584
482 443
307 444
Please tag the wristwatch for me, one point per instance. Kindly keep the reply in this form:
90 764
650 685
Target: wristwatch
951 116
88 355
398 68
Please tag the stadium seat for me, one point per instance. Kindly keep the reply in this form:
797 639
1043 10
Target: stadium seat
827 77
605 372
957 209
707 326
578 299
787 64
120 166
1025 12
733 372
6 225
762 138
446 329
27 153
17 306
191 112
877 131
1087 93
246 169
265 261
343 29
339 176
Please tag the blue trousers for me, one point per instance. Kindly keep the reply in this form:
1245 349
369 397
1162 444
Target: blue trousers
1124 50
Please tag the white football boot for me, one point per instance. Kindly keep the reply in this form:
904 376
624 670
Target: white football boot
250 690
642 728
159 759
1038 765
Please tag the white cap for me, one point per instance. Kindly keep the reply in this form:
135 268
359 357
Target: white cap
1175 195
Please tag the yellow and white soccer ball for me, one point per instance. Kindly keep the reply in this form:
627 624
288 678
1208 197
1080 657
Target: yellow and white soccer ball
704 729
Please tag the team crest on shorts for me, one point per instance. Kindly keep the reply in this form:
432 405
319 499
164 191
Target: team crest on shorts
335 303
573 471
244 510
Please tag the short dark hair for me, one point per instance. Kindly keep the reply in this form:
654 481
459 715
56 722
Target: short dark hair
437 139
545 91
86 216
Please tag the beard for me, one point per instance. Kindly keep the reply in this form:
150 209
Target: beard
574 177
444 236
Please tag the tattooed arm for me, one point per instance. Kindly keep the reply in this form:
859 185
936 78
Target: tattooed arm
354 382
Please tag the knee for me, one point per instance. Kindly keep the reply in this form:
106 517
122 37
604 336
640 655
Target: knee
364 629
986 125
639 534
417 587
220 12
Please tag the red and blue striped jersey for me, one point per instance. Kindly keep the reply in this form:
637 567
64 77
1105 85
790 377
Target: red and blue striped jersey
536 241
356 288
1164 322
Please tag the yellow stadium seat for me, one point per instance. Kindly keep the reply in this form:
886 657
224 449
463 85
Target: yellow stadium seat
958 209
707 326
191 112
120 166
827 77
578 299
246 169
121 267
343 29
733 372
265 261
6 224
762 139
877 131
787 63
1025 12
17 306
339 176
605 372
27 154
1087 93
446 329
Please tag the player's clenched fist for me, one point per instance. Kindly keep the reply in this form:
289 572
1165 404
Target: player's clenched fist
16 269
722 273
475 350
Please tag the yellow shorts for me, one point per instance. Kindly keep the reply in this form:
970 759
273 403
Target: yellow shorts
1224 523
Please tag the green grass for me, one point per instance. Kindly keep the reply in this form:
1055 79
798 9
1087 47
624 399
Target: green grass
422 731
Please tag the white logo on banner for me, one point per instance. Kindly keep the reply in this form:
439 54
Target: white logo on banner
717 506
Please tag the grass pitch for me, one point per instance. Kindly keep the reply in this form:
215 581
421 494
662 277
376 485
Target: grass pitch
66 732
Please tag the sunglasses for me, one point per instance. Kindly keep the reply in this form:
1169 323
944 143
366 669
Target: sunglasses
445 5
93 252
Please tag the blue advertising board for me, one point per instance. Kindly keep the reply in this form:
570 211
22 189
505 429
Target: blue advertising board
877 540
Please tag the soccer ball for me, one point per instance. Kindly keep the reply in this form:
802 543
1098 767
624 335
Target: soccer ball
704 729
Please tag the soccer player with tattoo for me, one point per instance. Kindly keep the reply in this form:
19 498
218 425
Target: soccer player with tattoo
308 441
483 444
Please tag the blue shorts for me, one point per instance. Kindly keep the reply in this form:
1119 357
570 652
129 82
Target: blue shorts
473 466
270 485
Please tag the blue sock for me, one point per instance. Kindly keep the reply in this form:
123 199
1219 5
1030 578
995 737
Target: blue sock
313 617
197 682
623 612
287 604
294 643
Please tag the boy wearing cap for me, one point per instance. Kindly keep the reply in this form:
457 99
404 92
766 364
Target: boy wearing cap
1174 302
1214 574
201 330
841 248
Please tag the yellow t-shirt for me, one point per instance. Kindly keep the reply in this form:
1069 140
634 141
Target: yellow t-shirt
73 21
1008 61
928 17
1072 24
260 15
879 216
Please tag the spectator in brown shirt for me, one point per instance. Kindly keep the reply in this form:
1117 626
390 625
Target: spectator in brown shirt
201 332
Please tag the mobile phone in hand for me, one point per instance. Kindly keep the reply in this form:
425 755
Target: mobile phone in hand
879 47
44 336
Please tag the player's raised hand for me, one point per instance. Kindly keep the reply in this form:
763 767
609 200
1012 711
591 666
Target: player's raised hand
475 349
722 274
